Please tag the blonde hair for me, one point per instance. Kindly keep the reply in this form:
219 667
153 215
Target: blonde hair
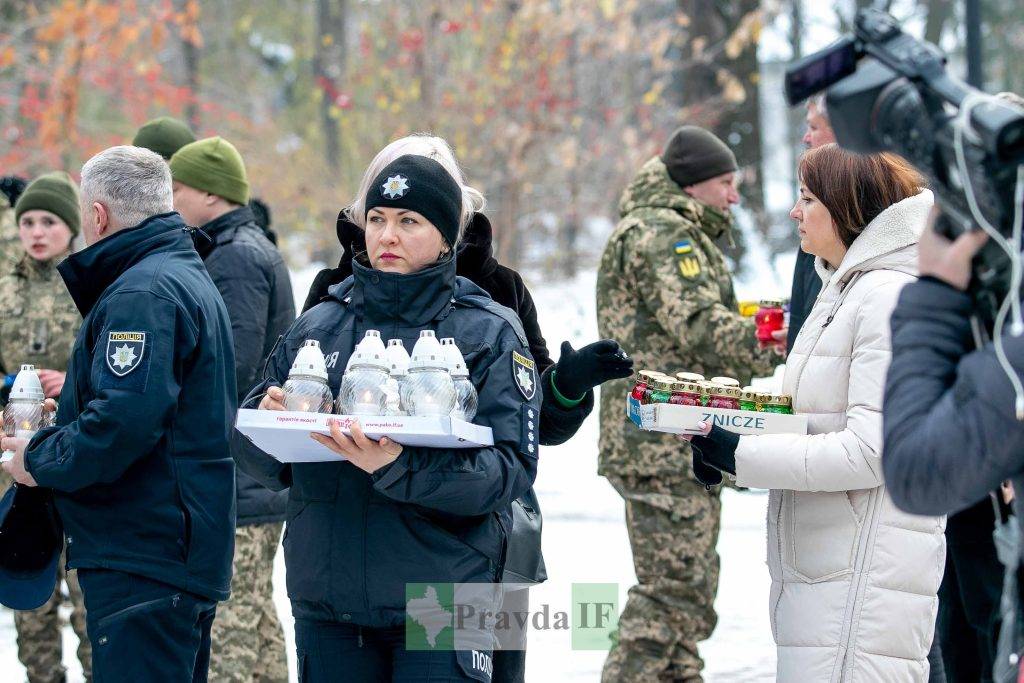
429 146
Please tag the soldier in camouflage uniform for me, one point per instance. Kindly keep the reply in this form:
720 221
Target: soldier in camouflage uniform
38 325
665 292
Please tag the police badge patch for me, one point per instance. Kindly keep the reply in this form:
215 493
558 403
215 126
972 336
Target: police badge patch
125 351
524 372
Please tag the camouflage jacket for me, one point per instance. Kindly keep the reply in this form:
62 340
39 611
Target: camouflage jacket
11 250
38 319
665 293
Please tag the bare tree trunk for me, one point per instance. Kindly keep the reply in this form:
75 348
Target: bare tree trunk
329 69
190 56
69 90
570 225
938 13
796 114
717 85
426 65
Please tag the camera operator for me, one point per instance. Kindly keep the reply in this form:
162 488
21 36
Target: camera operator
951 434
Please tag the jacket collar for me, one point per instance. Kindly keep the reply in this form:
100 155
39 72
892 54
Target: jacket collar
88 273
221 229
889 242
413 299
33 269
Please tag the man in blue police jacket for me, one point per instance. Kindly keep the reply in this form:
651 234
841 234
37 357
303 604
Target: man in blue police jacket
139 459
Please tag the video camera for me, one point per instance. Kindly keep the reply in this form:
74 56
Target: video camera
889 92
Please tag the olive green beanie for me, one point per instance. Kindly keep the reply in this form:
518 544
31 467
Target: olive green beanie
212 165
164 135
54 192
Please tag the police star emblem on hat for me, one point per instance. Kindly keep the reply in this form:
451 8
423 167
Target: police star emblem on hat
395 186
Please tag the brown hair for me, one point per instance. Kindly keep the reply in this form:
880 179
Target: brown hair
855 188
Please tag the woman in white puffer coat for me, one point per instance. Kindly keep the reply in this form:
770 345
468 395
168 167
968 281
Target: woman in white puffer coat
854 579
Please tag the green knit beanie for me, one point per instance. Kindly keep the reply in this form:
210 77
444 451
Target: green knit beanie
164 135
54 192
212 165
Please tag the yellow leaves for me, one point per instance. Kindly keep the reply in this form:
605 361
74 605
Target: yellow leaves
158 35
6 57
607 8
129 34
653 95
697 46
733 91
745 35
191 34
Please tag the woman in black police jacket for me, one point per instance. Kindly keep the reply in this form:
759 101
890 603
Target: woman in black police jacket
359 531
578 370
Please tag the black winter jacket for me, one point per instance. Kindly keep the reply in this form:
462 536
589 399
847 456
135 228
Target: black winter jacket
253 280
806 286
951 435
139 460
354 540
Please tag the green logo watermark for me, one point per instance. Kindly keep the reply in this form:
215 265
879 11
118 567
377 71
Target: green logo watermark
487 617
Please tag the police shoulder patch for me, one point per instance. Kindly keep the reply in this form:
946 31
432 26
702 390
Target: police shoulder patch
125 351
524 372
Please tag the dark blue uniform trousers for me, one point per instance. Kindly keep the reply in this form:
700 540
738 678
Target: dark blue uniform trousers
145 630
331 651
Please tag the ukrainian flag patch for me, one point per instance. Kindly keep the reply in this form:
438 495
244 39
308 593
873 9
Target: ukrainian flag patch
683 247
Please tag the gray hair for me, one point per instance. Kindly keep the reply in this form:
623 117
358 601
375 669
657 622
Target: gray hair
134 183
818 102
429 146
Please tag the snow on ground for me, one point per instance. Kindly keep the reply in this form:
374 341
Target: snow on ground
584 537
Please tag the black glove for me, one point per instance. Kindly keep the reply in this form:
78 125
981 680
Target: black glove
714 454
577 372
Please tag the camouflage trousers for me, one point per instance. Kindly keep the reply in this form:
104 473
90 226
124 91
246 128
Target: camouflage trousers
247 639
39 634
673 525
40 644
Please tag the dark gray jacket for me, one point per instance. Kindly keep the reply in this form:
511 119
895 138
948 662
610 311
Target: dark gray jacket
951 435
354 540
253 280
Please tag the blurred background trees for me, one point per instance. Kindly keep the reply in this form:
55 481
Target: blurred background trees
551 105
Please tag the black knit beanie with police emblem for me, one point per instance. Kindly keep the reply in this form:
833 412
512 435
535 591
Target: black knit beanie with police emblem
419 184
694 154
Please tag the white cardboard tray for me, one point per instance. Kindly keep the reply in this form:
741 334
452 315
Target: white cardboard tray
285 435
674 419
